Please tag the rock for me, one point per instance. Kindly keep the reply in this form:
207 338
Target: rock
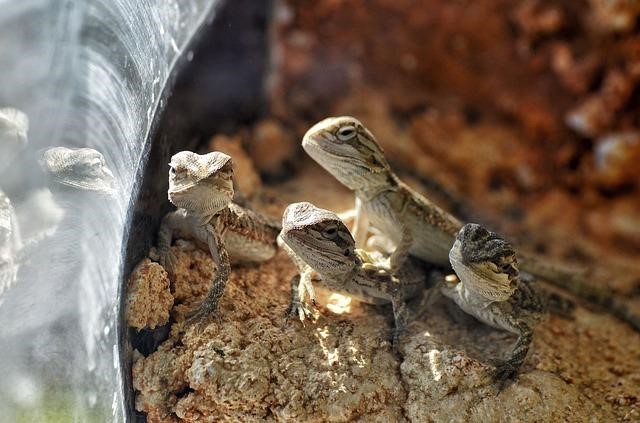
271 147
618 222
246 178
597 112
614 15
149 299
249 364
616 159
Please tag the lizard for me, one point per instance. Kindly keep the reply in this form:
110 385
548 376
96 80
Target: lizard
58 256
14 126
416 226
201 187
324 251
491 290
9 244
81 169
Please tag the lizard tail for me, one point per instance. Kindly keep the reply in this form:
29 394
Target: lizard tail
576 282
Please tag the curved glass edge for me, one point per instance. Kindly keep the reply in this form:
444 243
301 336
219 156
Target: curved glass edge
89 74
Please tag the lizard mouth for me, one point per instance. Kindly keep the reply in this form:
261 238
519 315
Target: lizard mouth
180 188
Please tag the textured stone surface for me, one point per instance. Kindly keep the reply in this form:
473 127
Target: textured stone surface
149 299
250 364
246 178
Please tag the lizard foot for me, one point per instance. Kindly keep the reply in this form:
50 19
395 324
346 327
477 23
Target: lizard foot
504 372
301 310
203 314
395 338
168 262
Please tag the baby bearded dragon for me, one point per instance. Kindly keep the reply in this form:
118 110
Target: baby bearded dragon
9 244
324 250
490 290
81 169
348 150
14 125
201 187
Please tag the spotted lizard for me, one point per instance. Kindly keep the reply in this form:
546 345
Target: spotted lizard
491 290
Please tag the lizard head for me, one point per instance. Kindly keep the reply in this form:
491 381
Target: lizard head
319 238
13 134
78 168
484 262
347 150
201 184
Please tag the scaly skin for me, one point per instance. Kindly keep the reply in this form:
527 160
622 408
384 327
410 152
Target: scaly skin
14 126
417 227
490 290
82 169
322 247
201 187
9 244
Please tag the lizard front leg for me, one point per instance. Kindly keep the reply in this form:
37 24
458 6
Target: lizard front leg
401 253
221 260
171 222
400 316
507 369
360 226
300 284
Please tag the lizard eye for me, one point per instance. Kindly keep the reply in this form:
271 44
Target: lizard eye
346 133
330 232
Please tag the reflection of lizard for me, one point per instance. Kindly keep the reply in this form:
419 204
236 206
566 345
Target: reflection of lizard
9 244
324 250
201 187
14 125
77 169
345 148
490 290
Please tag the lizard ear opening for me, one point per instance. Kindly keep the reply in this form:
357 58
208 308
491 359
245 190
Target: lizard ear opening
227 168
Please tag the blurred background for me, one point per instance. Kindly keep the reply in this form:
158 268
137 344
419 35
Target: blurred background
523 115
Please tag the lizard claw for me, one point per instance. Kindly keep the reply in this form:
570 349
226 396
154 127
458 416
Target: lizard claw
168 262
203 314
299 309
504 371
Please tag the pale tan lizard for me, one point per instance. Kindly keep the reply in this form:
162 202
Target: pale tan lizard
322 247
201 187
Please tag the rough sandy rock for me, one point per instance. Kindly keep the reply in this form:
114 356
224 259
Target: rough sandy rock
149 299
249 364
246 177
192 277
446 375
614 15
616 156
598 111
271 147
